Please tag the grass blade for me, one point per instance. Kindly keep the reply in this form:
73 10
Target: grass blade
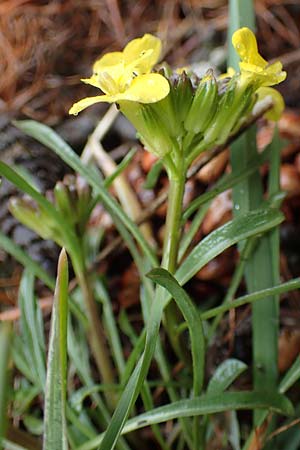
211 404
243 227
111 326
193 320
248 195
5 340
206 404
194 323
290 378
249 298
20 255
224 375
226 182
55 435
32 337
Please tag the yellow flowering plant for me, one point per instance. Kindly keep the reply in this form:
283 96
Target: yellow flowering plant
177 115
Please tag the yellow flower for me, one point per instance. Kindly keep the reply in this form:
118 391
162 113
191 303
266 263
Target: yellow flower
253 66
278 103
126 75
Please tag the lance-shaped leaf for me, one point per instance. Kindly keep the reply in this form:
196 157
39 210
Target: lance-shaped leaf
55 435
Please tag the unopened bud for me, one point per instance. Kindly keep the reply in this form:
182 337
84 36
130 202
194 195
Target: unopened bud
63 202
32 216
204 105
233 106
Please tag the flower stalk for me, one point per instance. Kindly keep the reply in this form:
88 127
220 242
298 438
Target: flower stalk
172 237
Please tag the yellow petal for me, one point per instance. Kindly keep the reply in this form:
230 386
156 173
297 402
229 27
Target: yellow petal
145 52
266 77
104 82
277 99
244 42
109 60
111 63
108 84
93 81
276 67
88 101
149 88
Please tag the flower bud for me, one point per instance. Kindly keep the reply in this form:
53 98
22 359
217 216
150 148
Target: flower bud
182 93
85 202
204 105
233 105
26 211
64 204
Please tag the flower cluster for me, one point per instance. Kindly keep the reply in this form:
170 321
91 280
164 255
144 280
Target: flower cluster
125 76
72 199
176 113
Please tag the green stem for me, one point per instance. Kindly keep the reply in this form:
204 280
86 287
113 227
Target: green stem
173 223
96 336
170 252
169 261
170 256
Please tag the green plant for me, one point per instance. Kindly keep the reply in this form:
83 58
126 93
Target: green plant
177 120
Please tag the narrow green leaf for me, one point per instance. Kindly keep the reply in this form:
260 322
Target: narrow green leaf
21 361
194 227
250 298
33 341
234 435
153 175
55 434
5 340
290 378
206 404
21 183
20 255
211 404
194 323
251 224
224 375
120 168
261 269
111 326
9 445
193 320
226 182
